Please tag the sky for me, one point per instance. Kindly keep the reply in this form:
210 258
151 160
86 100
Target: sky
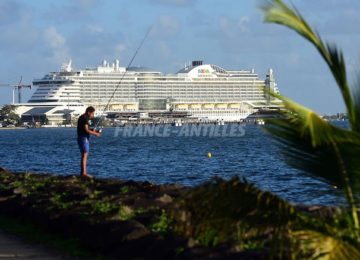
37 36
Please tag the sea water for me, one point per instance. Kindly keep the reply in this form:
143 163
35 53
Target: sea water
178 157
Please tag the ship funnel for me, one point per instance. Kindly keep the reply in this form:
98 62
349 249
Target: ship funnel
197 63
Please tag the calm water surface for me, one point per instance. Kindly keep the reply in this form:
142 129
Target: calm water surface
175 159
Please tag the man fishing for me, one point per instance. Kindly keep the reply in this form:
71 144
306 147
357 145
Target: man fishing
83 129
83 136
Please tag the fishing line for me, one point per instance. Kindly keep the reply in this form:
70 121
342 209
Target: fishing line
124 74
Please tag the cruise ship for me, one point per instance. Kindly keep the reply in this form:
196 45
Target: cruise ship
202 91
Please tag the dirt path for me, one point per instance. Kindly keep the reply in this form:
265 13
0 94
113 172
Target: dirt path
13 247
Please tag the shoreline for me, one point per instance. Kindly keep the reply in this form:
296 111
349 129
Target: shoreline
255 121
130 219
13 128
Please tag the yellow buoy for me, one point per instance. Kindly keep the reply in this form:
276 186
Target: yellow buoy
209 155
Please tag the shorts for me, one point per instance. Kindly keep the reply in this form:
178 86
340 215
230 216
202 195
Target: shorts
84 144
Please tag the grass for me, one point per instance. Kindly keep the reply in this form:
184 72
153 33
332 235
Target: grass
163 224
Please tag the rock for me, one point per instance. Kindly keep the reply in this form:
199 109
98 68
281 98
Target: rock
19 190
89 191
191 243
125 231
323 211
166 199
138 231
3 170
5 198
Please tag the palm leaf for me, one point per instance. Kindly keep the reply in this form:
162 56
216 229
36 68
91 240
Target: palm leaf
315 245
311 144
221 211
355 92
277 12
323 150
317 147
236 211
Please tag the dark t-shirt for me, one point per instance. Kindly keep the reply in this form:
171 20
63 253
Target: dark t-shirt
82 121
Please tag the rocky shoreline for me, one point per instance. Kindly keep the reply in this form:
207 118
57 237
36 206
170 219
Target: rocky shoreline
139 220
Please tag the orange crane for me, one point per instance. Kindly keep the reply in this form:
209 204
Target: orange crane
18 88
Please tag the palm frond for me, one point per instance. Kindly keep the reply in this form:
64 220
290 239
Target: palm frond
311 144
315 245
317 147
355 92
277 12
235 210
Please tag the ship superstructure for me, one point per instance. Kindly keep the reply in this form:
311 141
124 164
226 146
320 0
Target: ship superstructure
204 91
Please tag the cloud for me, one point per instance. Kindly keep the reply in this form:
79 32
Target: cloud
57 44
242 23
54 38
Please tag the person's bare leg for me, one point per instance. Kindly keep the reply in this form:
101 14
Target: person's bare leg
84 173
84 157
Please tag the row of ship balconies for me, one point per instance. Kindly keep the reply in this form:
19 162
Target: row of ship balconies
179 107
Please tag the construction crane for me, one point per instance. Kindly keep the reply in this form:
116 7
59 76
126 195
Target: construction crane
17 88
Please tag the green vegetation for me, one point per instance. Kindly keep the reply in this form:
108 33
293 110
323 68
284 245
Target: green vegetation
125 190
103 206
8 115
163 224
126 213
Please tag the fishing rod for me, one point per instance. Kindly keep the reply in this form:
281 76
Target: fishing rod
119 83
